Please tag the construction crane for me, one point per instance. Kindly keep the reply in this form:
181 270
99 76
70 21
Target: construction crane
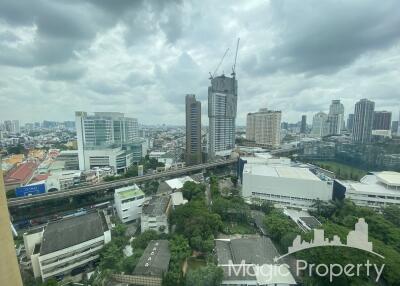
234 65
220 63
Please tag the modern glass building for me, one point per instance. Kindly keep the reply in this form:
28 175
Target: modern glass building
103 139
222 108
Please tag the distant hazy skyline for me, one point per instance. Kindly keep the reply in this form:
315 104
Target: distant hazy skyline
143 57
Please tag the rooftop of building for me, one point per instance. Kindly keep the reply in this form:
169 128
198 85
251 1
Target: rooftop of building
178 183
280 172
57 165
258 250
389 178
156 206
14 159
371 185
20 174
155 259
267 159
177 199
72 231
129 192
68 152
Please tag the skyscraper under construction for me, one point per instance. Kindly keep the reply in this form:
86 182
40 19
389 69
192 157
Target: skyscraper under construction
222 108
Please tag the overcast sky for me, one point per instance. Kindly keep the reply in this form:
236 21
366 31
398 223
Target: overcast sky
142 57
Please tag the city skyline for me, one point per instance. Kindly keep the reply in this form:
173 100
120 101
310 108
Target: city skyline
97 65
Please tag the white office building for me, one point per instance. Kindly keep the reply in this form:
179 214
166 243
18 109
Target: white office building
128 203
285 185
65 245
319 125
264 127
222 107
105 139
336 117
374 190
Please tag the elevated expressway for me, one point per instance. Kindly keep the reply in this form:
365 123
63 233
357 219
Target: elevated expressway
14 202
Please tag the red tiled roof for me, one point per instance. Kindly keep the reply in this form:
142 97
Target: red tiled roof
21 174
40 177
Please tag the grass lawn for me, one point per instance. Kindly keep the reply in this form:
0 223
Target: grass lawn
342 171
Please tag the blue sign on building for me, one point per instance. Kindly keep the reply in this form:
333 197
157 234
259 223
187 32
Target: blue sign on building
30 190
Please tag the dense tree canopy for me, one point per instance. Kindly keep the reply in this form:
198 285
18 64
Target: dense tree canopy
210 275
338 219
197 224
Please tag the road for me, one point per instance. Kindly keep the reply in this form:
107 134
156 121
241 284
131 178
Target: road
113 185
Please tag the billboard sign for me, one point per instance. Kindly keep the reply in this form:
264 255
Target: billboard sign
30 190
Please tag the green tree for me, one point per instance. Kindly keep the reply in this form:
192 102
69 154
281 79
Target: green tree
210 275
392 214
192 190
194 221
143 239
111 257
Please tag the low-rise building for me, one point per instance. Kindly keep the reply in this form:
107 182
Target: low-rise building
70 157
151 267
20 175
374 190
250 261
128 203
68 244
63 180
285 185
177 199
155 214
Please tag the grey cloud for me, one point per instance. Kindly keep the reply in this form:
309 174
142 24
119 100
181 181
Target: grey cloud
62 72
324 36
106 87
142 57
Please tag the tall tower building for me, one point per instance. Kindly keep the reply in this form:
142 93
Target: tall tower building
350 121
9 270
336 117
363 120
222 108
303 127
320 125
193 130
382 120
264 127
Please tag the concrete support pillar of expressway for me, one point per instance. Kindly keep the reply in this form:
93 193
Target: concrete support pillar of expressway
9 269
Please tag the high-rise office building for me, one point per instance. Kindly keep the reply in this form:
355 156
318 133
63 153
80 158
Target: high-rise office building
336 117
320 125
264 127
303 127
222 108
104 139
9 270
382 120
395 127
350 121
363 120
193 130
12 126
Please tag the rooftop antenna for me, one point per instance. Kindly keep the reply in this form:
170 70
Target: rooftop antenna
220 63
234 65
